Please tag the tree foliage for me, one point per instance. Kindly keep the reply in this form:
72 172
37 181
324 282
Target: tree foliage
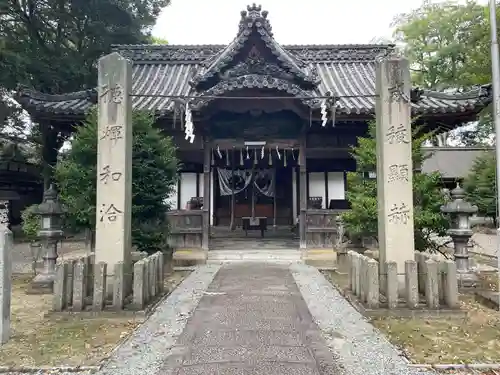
154 172
480 185
362 219
448 44
52 46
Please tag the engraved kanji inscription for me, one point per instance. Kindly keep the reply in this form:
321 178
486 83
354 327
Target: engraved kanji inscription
109 212
106 175
399 214
112 133
397 135
112 94
398 172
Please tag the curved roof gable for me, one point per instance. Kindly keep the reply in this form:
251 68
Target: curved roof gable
254 26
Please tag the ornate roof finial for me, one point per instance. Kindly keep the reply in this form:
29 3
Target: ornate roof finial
254 13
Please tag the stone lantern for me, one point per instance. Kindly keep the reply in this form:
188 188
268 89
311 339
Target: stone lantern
50 234
460 232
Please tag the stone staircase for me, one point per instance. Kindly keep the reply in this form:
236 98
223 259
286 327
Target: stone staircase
233 246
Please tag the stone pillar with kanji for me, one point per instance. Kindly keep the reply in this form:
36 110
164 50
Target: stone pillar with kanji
394 163
114 164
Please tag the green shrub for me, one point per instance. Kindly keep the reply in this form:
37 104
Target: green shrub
154 174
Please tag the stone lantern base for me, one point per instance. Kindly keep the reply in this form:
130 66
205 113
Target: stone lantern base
466 280
41 284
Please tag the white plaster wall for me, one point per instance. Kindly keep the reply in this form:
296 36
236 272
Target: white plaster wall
336 185
317 186
188 188
201 185
172 198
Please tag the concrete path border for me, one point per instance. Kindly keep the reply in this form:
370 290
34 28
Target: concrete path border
144 352
361 349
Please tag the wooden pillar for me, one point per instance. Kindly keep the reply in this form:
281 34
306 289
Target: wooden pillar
206 194
274 199
327 198
303 190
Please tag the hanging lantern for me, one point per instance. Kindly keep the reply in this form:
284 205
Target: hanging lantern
270 158
255 161
284 158
241 158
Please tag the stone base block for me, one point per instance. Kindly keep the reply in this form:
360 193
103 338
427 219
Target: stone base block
40 285
325 259
488 298
186 257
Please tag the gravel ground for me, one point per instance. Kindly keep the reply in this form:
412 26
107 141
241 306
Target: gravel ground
361 349
146 349
142 353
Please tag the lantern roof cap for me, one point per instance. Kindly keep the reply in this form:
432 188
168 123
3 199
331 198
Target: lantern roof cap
50 204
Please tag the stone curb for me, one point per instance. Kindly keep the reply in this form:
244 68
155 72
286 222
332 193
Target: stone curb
472 366
48 369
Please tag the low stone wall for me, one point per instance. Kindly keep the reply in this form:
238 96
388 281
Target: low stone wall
82 285
429 283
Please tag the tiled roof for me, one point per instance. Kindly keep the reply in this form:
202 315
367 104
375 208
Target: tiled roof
346 71
254 22
452 162
347 79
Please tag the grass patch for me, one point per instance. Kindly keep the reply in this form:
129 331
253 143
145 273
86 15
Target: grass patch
65 341
475 339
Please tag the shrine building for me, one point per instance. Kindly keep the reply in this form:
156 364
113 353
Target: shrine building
263 153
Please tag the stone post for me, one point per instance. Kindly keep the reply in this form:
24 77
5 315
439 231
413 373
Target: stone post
450 285
357 274
119 293
5 282
60 300
394 164
114 166
350 268
100 285
160 272
431 284
372 283
138 295
79 286
391 288
411 284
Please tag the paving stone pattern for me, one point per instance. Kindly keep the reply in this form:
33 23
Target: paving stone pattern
252 320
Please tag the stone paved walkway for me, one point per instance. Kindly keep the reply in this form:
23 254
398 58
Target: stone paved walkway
253 319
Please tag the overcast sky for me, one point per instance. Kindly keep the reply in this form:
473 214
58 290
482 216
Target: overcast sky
294 22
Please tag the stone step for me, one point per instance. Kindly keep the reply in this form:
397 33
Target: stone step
274 261
255 255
